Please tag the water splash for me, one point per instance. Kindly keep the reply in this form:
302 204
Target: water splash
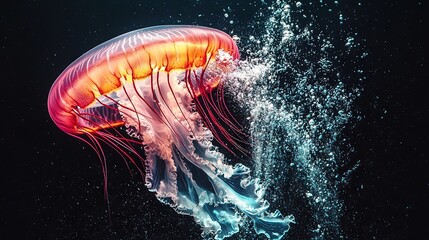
300 97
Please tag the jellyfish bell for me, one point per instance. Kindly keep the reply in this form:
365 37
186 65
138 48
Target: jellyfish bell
157 82
131 56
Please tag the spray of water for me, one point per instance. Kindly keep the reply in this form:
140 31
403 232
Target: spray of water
300 98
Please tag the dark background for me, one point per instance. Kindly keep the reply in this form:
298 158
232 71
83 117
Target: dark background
52 186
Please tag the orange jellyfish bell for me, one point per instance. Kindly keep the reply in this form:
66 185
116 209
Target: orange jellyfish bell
131 57
158 82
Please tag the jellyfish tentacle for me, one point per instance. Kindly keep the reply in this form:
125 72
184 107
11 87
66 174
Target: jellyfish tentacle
190 174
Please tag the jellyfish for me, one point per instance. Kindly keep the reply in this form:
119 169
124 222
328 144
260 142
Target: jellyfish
158 84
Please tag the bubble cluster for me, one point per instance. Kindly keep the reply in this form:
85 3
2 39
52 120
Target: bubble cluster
300 99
